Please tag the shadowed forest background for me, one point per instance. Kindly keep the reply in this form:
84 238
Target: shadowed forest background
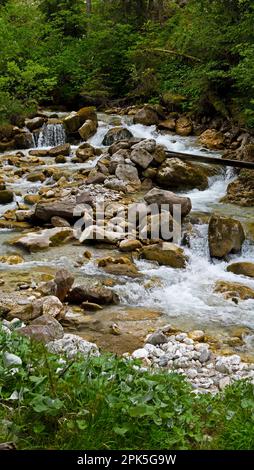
197 54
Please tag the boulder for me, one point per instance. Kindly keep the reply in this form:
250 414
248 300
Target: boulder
115 135
159 226
44 211
241 190
44 329
64 281
128 173
119 266
6 196
234 290
225 235
161 196
149 145
184 126
168 125
141 157
212 139
64 149
146 116
175 173
52 306
75 120
242 269
85 153
165 253
94 233
97 294
59 222
36 241
60 159
130 245
88 129
35 123
23 140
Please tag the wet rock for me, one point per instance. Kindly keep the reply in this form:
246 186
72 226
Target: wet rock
115 135
97 294
242 269
60 159
60 150
234 290
241 190
175 173
165 253
149 145
84 153
64 281
130 245
75 120
11 259
212 139
59 222
225 235
88 129
160 196
159 155
35 123
23 140
98 234
95 177
6 196
184 126
168 125
158 226
128 173
32 199
34 177
146 116
43 329
119 266
197 335
71 345
141 157
36 241
61 208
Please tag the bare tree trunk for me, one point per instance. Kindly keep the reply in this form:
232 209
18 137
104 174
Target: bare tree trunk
89 7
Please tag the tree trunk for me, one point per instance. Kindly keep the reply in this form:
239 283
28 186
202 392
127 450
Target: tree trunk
89 7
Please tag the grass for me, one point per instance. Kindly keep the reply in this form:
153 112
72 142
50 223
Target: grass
108 403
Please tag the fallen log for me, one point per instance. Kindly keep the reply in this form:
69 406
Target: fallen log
210 160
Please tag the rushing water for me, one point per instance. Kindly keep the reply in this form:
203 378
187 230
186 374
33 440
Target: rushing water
51 135
185 296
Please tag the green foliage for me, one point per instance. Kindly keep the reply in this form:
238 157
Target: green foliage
52 51
108 403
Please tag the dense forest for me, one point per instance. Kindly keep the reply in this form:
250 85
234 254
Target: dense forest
196 53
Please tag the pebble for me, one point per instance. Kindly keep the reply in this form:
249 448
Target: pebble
206 371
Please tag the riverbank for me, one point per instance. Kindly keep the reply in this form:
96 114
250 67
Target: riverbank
107 403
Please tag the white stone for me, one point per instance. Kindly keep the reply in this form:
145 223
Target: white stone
71 345
141 353
11 360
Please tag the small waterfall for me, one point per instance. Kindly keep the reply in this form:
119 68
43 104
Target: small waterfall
51 135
